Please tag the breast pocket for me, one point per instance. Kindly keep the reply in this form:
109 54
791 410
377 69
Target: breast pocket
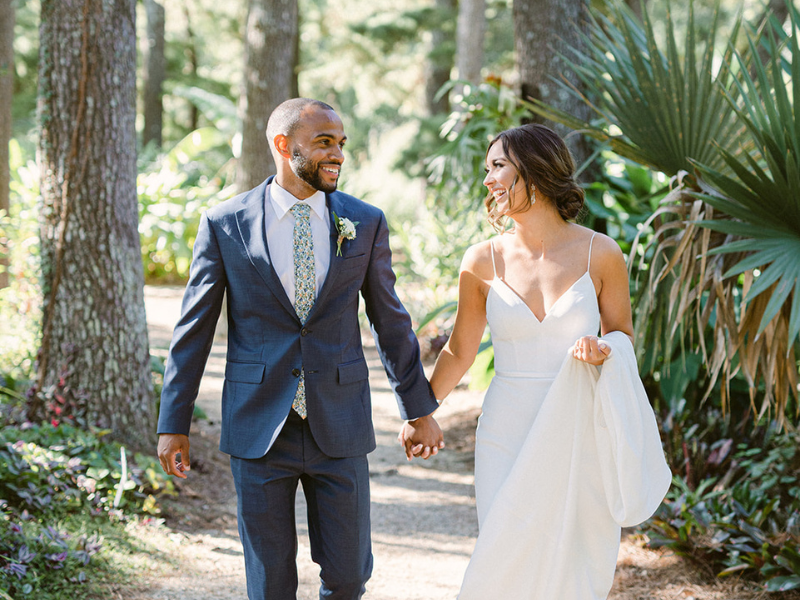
353 262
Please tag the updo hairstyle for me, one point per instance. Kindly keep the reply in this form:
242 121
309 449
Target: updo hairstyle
543 160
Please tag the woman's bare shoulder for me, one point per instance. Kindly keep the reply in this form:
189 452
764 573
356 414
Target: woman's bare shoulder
478 260
606 252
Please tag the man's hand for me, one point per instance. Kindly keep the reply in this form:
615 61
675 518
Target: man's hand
170 445
421 437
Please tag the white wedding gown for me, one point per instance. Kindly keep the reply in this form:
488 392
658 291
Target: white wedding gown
549 502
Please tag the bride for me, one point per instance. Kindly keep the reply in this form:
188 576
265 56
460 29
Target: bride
559 466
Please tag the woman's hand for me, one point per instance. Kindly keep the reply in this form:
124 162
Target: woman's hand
591 349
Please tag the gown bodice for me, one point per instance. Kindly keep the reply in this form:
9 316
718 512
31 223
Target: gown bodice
523 345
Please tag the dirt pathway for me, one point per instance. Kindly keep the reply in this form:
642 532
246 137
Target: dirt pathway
423 513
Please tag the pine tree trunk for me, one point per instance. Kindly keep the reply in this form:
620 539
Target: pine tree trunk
7 18
194 63
440 58
542 30
94 331
269 76
154 74
471 30
636 7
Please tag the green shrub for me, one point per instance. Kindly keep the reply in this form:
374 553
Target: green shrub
53 470
59 486
36 559
745 522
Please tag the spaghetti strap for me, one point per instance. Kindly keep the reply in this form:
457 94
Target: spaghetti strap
494 266
589 264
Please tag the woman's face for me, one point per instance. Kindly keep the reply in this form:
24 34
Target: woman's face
503 181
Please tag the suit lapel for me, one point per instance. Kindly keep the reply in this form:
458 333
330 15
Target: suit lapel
335 205
250 220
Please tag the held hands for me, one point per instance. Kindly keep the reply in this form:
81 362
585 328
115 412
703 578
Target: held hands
421 437
591 349
169 446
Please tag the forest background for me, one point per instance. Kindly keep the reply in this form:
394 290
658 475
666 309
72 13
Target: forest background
125 120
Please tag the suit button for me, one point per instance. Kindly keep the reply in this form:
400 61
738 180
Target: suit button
296 372
304 332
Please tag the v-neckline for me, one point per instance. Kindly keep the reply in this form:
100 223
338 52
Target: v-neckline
547 311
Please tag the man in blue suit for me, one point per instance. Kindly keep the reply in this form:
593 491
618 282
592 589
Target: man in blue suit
293 255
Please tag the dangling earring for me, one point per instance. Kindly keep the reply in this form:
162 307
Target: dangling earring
533 194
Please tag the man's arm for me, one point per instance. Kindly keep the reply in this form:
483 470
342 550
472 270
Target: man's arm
398 346
191 343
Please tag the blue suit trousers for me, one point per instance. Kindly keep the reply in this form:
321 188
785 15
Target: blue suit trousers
337 495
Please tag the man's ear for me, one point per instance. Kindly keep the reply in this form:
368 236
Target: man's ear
281 145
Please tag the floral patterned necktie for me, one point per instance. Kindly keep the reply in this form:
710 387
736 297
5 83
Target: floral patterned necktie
304 284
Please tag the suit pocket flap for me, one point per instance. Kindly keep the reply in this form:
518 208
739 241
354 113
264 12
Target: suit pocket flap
351 262
244 372
351 372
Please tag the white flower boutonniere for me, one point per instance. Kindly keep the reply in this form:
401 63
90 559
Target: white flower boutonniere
346 229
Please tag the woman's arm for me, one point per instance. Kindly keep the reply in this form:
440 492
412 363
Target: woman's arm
460 350
613 299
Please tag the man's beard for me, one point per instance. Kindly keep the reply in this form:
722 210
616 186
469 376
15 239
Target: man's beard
310 173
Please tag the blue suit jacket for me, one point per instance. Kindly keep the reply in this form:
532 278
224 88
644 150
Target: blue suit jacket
267 343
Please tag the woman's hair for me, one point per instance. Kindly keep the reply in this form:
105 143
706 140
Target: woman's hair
543 160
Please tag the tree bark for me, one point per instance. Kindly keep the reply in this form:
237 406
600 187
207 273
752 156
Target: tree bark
94 332
7 18
542 30
154 74
440 58
269 76
636 7
780 10
471 30
191 56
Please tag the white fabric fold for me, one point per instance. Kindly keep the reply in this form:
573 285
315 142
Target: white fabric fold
591 464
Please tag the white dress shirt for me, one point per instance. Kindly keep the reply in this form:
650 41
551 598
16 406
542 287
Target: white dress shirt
279 222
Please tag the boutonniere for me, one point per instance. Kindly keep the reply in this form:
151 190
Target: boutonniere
346 229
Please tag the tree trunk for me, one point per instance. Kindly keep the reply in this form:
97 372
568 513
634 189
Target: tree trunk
269 75
636 7
154 74
542 30
440 58
469 39
191 56
780 10
7 18
94 332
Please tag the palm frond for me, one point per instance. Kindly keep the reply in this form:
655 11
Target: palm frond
667 107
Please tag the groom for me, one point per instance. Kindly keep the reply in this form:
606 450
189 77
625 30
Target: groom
296 404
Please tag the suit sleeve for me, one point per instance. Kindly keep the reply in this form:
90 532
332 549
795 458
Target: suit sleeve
194 333
394 337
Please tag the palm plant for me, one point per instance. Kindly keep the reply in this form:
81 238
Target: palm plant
724 254
761 192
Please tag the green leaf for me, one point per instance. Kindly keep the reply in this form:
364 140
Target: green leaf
783 584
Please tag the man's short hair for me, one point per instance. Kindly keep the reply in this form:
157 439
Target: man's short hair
286 117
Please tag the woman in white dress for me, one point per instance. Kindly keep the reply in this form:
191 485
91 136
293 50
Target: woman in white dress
546 288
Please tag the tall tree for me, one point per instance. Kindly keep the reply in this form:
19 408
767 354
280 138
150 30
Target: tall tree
270 74
7 18
154 74
194 63
471 30
94 332
543 31
440 58
636 7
